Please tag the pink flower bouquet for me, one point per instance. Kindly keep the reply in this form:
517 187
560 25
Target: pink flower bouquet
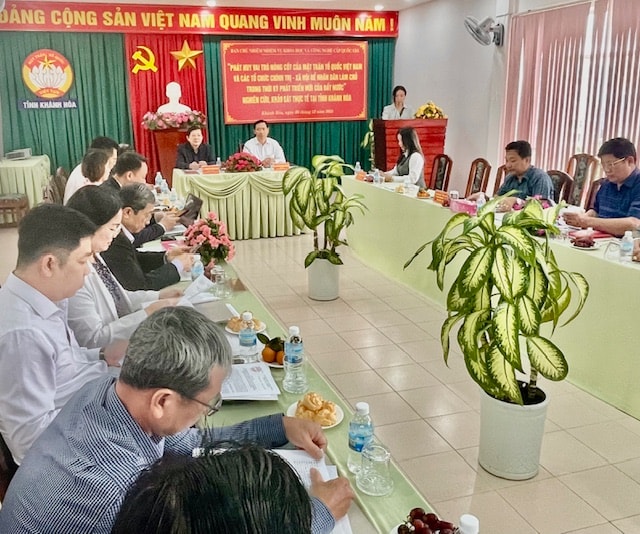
211 238
242 162
152 120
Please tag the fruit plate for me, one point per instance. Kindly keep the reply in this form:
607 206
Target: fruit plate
291 412
394 530
275 365
595 246
263 327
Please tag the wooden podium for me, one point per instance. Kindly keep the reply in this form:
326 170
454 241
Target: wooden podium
167 142
431 133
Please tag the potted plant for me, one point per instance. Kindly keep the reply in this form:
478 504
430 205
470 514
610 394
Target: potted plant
507 296
368 141
318 202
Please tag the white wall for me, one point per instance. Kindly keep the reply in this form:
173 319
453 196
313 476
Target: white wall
436 59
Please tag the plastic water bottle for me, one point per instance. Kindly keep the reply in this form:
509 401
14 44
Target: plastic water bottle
197 268
360 435
158 181
377 179
247 336
407 184
482 200
626 247
468 524
173 196
357 168
295 374
218 161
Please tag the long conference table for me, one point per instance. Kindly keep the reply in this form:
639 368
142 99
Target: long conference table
251 203
381 513
28 176
601 344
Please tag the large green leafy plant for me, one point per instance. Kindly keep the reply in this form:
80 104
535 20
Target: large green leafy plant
318 202
509 286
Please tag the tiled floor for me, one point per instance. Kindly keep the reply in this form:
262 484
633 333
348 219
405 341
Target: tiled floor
378 343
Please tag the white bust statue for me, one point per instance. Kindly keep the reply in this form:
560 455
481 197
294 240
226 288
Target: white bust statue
174 92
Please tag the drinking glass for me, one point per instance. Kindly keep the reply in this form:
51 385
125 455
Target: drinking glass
374 477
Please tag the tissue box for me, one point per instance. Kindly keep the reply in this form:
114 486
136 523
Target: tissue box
462 205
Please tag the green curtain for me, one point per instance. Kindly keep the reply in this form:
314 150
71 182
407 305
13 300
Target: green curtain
99 86
302 140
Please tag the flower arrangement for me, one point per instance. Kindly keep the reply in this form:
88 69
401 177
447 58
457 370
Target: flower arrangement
544 202
430 111
242 162
211 238
153 120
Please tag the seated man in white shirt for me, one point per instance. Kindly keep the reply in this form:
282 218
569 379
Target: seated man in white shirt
78 178
263 147
41 364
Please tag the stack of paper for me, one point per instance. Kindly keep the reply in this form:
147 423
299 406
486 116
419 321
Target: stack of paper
250 381
302 462
198 291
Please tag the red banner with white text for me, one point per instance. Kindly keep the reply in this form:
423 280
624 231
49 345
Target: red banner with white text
129 18
285 81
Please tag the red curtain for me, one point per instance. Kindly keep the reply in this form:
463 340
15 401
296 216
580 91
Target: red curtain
147 87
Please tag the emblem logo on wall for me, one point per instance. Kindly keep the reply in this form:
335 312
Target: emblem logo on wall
48 75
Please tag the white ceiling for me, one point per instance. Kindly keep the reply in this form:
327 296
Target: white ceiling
332 5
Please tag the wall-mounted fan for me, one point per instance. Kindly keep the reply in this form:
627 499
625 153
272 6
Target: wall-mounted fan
481 30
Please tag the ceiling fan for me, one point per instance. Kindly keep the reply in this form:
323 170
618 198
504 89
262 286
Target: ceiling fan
481 30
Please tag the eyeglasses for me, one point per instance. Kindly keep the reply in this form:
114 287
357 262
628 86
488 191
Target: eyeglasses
609 165
217 404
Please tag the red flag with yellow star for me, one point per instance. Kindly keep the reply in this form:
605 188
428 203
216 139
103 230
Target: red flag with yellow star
154 61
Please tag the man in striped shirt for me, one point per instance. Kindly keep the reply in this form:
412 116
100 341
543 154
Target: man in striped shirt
76 475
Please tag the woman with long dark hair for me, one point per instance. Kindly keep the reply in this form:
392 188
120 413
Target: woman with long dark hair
398 110
411 161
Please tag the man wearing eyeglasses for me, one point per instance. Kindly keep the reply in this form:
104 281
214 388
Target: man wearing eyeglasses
617 205
76 475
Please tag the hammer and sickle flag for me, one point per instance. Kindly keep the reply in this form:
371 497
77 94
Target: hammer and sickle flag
143 61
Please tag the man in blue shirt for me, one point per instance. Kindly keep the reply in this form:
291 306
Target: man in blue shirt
617 204
76 475
526 179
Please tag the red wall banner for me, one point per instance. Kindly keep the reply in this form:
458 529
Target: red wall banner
128 18
285 81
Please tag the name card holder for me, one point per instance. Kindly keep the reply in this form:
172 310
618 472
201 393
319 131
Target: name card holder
440 196
210 169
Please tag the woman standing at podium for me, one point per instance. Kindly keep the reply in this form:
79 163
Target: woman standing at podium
410 166
398 110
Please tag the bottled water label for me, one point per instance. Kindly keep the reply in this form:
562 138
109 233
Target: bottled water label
196 270
293 352
247 337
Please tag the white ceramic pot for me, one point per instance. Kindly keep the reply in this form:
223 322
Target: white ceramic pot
511 437
324 280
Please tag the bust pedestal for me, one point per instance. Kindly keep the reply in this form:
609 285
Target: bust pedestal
167 142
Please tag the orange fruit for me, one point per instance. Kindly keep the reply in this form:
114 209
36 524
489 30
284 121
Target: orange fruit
268 354
280 357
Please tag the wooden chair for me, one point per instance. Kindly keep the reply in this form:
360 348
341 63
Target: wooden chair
500 174
478 176
593 191
13 206
8 468
583 168
53 192
562 185
440 172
